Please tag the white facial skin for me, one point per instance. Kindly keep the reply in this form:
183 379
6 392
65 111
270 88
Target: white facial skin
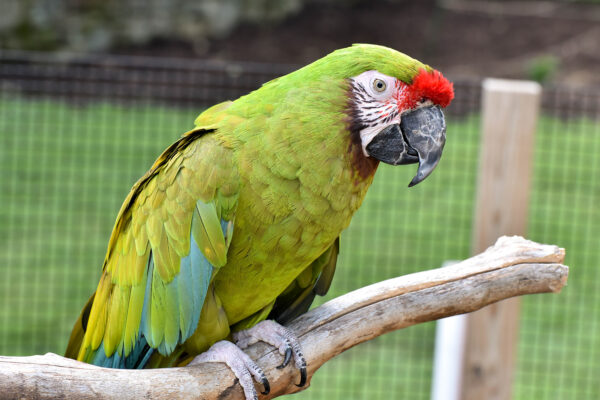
377 99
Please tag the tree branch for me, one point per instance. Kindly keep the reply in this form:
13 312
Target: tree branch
512 267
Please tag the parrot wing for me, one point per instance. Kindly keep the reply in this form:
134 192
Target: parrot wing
171 237
314 280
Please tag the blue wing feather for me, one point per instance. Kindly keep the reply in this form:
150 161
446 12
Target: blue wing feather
189 289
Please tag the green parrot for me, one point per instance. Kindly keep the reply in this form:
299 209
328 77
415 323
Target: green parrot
235 228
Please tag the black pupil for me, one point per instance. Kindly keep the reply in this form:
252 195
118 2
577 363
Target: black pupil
379 85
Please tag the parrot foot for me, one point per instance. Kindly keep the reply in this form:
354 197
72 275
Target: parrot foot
283 339
240 364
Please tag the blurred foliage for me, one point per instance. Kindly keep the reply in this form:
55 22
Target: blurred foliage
96 25
542 69
99 25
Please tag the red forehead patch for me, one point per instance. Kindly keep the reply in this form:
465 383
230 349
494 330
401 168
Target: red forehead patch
433 86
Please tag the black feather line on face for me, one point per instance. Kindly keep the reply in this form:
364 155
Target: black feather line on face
368 109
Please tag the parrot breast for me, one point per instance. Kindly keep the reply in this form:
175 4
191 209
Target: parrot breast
299 189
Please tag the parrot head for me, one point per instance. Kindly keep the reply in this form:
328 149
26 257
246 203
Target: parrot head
400 122
394 109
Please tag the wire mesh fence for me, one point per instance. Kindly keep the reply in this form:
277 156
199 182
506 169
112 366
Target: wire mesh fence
77 132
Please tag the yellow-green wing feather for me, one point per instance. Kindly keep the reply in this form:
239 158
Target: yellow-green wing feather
172 232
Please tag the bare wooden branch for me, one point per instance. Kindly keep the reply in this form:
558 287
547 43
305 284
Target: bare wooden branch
512 267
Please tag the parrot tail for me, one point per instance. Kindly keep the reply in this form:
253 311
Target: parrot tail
137 359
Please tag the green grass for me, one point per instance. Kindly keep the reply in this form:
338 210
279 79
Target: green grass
66 169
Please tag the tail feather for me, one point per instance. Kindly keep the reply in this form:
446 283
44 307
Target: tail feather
137 359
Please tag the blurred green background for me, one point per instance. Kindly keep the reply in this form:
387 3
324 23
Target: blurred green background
78 129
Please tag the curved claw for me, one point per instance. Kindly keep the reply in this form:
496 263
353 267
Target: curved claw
280 337
303 376
266 385
287 358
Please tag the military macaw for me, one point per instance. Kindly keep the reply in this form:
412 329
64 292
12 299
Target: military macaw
235 228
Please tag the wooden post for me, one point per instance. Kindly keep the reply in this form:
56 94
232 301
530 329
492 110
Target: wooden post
509 116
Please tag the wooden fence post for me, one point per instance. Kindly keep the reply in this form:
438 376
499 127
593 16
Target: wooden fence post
509 116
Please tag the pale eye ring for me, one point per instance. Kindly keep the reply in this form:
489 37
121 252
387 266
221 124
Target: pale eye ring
379 85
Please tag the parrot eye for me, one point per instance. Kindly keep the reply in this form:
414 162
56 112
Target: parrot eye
379 85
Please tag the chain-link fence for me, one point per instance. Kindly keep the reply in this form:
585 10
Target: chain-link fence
76 133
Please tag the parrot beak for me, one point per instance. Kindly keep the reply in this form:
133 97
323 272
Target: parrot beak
420 137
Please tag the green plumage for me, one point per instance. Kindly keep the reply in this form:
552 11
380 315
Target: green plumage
236 221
